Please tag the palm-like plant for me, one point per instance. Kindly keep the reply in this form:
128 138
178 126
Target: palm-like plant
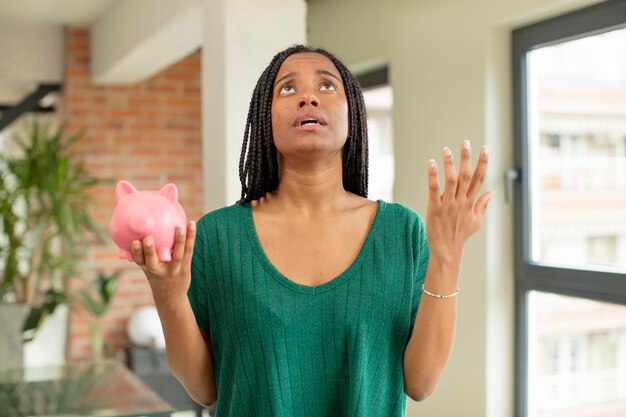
46 222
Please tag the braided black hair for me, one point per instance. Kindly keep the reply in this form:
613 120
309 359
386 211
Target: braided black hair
258 165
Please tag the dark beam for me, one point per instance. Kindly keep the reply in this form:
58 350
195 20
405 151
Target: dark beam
29 104
39 109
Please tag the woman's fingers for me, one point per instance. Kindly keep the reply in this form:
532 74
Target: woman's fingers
189 244
434 192
479 174
465 170
145 254
150 255
480 208
179 247
456 214
137 252
451 179
481 205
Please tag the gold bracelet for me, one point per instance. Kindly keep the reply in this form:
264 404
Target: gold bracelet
454 294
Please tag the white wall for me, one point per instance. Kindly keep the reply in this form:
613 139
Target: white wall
31 54
450 72
240 39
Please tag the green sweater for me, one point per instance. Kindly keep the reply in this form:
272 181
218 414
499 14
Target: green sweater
291 350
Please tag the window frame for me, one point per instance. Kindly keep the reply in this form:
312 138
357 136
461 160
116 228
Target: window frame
373 78
605 286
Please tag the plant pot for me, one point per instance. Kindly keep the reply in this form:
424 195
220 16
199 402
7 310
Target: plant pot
48 346
11 349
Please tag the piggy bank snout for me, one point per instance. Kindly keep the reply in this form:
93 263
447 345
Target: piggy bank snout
140 223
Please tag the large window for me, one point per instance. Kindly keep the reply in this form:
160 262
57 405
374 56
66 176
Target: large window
570 133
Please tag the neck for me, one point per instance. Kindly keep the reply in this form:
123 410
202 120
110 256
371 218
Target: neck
310 187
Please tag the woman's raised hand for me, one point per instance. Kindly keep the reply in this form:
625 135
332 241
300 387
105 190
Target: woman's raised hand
454 215
169 279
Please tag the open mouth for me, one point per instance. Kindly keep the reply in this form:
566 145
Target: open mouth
310 122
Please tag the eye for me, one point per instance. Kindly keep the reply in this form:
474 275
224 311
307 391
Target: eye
327 86
286 89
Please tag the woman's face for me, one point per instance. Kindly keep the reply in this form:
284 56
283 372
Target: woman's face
309 107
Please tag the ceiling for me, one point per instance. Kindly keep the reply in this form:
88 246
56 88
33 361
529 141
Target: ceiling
58 12
130 40
32 16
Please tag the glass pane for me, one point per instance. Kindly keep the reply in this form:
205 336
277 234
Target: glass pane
577 159
576 357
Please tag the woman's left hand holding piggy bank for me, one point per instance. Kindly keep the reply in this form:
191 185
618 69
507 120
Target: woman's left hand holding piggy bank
168 280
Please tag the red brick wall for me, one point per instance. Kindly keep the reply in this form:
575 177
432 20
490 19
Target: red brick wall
148 133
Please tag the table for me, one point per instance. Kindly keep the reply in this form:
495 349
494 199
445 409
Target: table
105 389
150 365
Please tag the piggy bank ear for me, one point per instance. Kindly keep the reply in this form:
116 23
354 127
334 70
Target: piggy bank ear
170 192
123 189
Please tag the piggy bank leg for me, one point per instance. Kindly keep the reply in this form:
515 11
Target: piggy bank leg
125 254
165 255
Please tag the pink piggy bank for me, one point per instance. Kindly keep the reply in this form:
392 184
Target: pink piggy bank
146 213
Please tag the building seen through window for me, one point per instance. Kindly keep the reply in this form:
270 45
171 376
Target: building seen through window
577 156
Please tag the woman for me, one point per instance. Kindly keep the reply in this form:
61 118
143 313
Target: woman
302 299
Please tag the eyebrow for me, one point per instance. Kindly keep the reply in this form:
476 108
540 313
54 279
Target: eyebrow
320 72
330 74
291 74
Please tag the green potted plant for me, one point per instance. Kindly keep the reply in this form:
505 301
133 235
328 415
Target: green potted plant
46 225
95 302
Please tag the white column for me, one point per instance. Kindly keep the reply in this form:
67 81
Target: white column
240 39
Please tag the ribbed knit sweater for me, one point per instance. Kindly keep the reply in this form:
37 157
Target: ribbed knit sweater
285 349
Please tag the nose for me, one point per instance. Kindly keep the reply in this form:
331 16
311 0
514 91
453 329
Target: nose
140 224
309 99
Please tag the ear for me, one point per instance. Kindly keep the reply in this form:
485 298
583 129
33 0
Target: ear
170 192
123 189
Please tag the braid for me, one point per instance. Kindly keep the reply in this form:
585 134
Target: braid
243 165
258 164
